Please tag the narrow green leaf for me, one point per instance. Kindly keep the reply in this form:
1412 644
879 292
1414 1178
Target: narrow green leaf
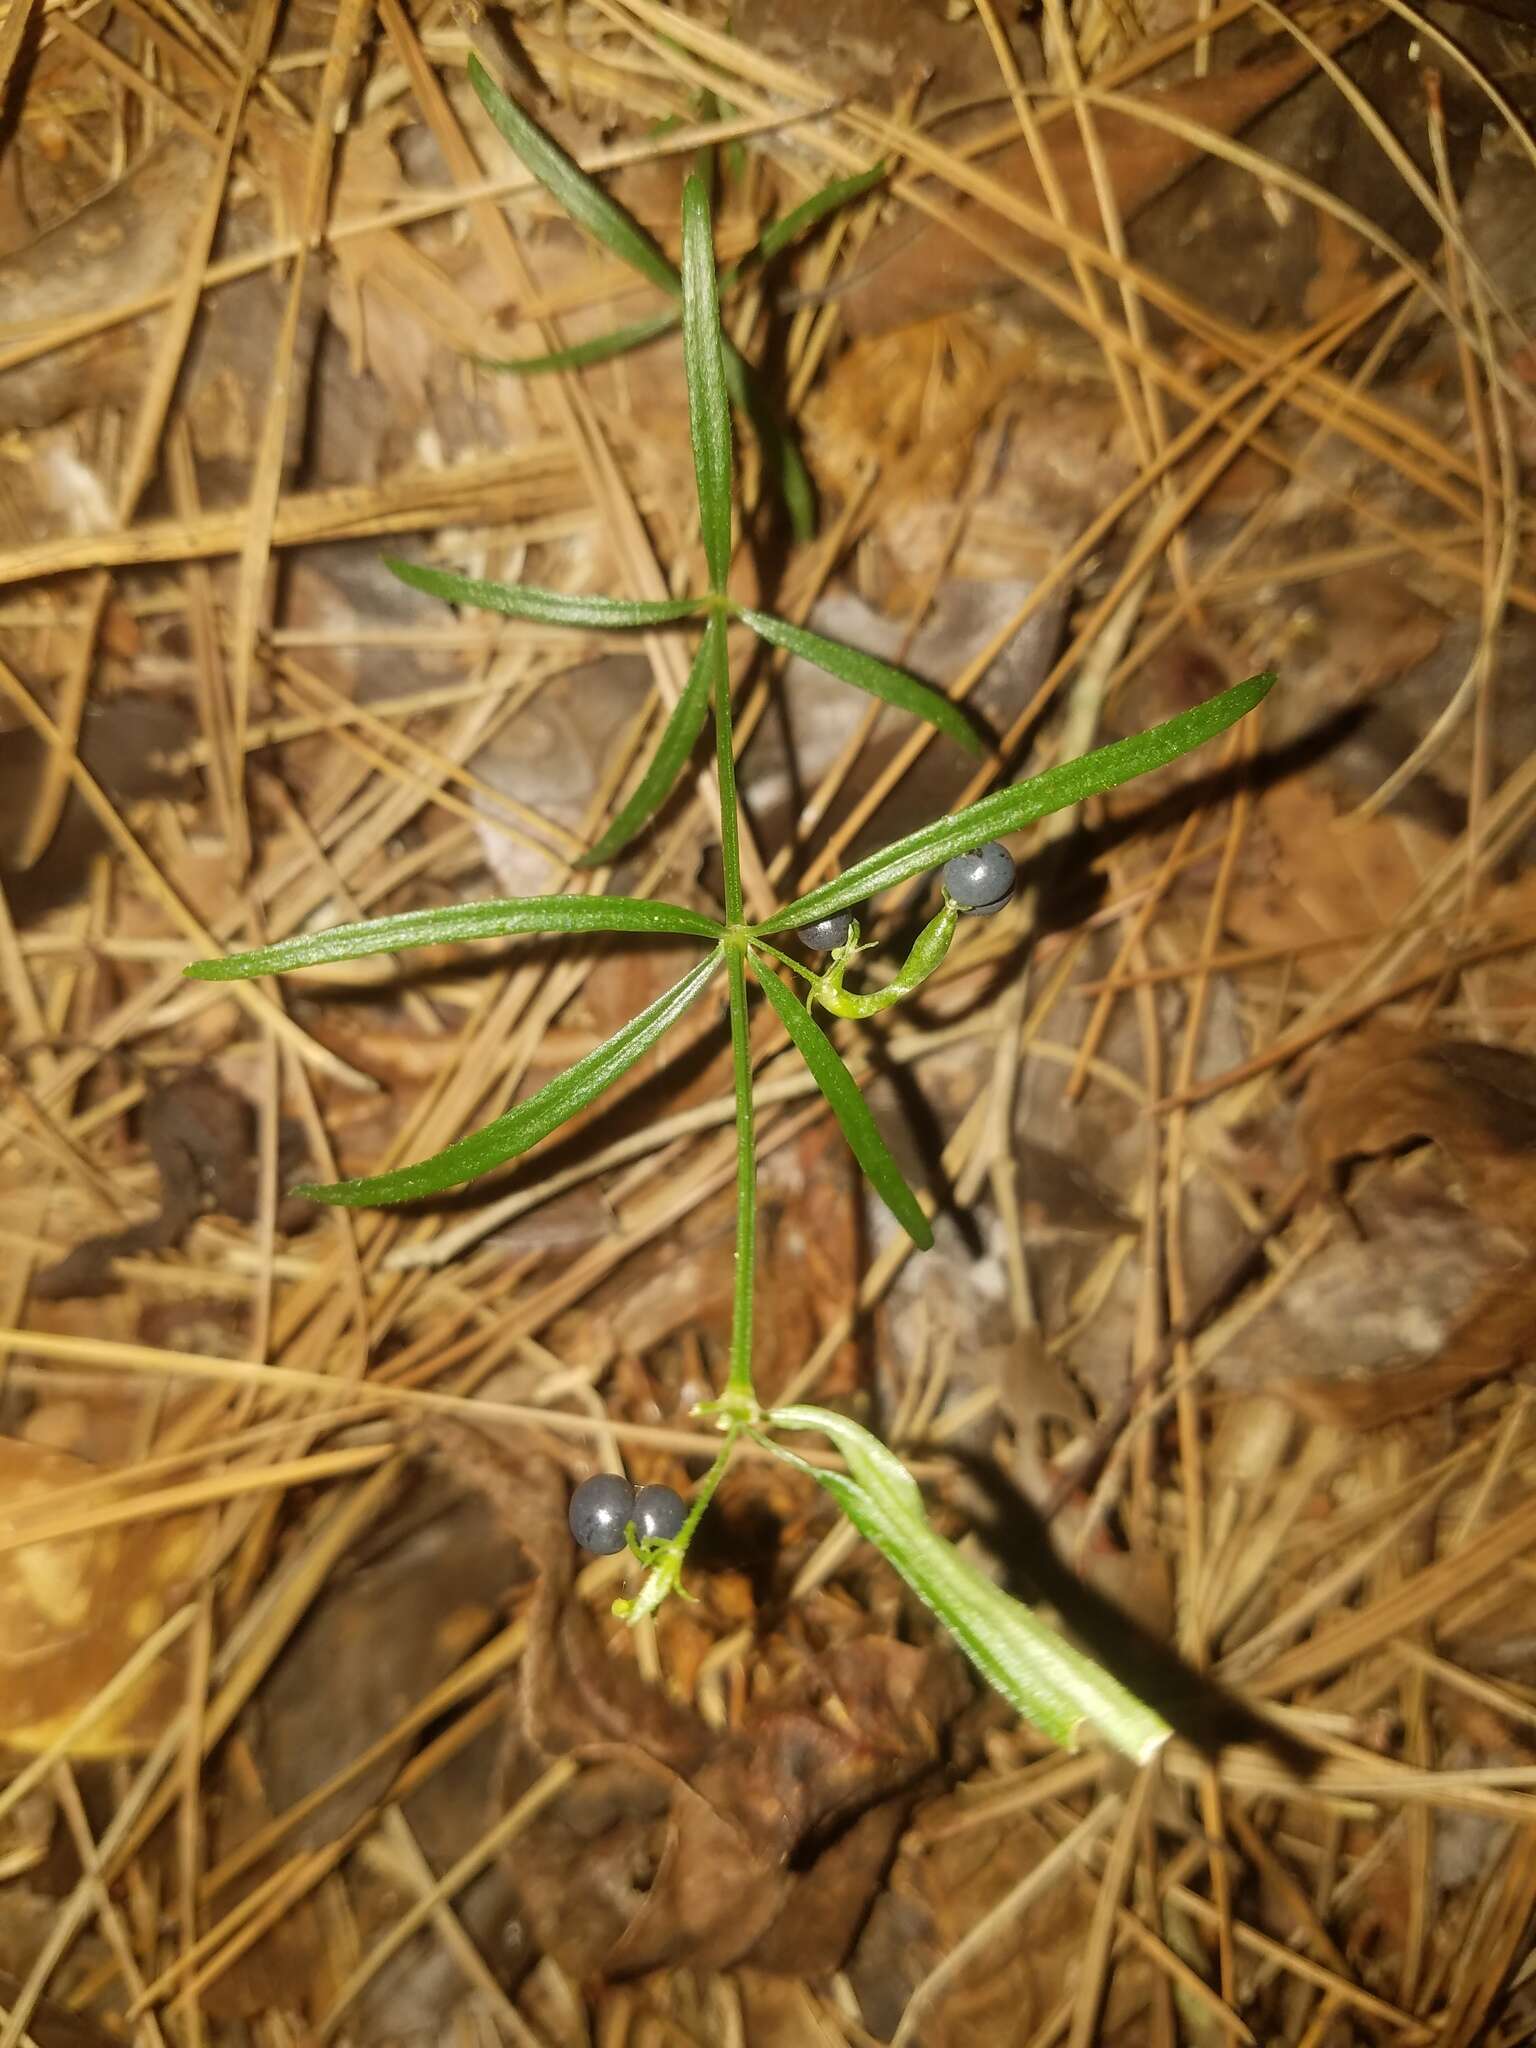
544 607
1037 1671
848 1105
582 353
524 1125
1009 810
583 199
781 450
802 218
503 918
617 230
671 756
709 411
865 672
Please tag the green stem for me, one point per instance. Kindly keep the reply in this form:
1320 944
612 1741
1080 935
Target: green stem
665 1560
707 1485
739 1384
795 966
725 766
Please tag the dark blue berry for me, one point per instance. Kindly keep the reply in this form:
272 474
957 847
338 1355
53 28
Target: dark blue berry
826 934
600 1508
659 1514
981 881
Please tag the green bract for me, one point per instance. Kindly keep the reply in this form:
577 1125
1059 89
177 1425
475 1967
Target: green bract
1063 1692
1045 1678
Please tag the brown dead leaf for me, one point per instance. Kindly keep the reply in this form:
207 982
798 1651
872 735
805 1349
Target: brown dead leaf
941 1885
129 240
1448 1309
1327 878
380 1636
201 1136
1385 1088
679 1845
1379 1301
919 267
1340 273
1497 1334
74 1609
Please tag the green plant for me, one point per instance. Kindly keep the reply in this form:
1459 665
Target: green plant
1045 1678
623 236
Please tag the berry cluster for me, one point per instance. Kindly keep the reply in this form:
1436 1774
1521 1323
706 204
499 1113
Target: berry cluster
603 1507
978 883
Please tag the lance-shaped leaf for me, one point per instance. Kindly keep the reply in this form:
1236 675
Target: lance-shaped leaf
1058 1688
848 1105
582 353
865 672
543 607
452 924
775 237
709 408
802 218
671 756
1008 810
582 197
523 1126
618 231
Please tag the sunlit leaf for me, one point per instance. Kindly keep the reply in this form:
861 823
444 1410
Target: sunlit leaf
524 1125
544 607
848 1105
1062 1691
582 197
670 758
582 353
453 924
1009 810
709 411
866 672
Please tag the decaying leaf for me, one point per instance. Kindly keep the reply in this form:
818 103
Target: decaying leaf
1476 1103
1386 1088
1327 880
201 1137
683 1845
1495 1334
131 239
73 1609
942 1884
918 268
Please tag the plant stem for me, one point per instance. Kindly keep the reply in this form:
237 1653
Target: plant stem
707 1485
725 764
739 1382
746 1184
795 966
